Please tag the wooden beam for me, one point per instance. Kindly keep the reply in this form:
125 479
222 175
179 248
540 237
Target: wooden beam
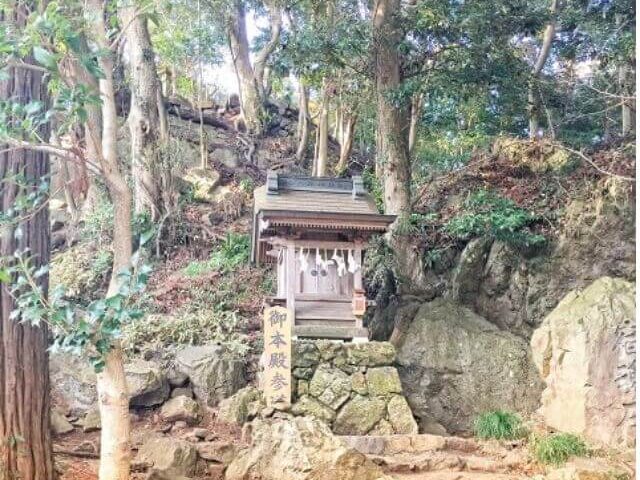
291 277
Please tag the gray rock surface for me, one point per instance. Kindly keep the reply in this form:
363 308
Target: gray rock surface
585 351
212 373
454 365
73 383
147 384
181 409
170 456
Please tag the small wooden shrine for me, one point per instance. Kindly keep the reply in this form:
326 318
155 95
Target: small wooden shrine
314 230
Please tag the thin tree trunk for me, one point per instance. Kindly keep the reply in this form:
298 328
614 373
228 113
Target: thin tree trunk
144 116
259 66
114 413
532 99
25 439
322 144
303 122
114 440
392 125
250 91
346 146
164 119
417 102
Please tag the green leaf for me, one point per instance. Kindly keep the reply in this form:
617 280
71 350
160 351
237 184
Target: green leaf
45 58
5 275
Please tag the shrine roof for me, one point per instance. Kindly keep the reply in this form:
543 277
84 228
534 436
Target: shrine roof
322 195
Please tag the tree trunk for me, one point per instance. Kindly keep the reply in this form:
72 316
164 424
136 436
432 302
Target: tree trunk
417 103
393 153
259 66
112 388
144 116
113 402
346 145
532 99
303 122
25 440
250 91
323 134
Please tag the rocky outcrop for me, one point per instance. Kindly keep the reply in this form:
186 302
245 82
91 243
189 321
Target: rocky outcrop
203 183
585 351
59 423
353 387
146 383
213 374
454 365
299 448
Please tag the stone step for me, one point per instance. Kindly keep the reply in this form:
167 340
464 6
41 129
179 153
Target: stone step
457 475
398 444
439 460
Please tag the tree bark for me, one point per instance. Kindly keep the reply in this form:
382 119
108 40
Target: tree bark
114 439
259 65
417 102
303 122
347 128
323 134
25 440
250 90
532 99
393 153
144 115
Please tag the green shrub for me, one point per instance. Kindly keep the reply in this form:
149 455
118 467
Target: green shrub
555 449
232 252
98 222
374 187
486 213
498 424
82 271
247 185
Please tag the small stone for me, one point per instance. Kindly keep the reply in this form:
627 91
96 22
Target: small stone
359 415
159 475
305 354
201 433
182 392
91 421
176 378
235 409
169 456
220 452
303 372
359 383
383 427
371 354
179 425
303 387
331 386
86 446
328 349
383 381
181 409
400 416
59 423
310 406
266 412
216 471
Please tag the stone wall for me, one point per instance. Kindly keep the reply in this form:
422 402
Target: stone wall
353 387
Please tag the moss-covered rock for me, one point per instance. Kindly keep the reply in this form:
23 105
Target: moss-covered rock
330 385
383 381
370 354
359 415
307 405
235 409
400 416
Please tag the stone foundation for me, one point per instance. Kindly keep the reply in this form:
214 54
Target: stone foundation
353 387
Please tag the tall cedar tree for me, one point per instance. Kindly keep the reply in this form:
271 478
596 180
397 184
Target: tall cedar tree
25 441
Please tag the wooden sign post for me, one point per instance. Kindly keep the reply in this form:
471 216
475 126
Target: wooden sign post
277 356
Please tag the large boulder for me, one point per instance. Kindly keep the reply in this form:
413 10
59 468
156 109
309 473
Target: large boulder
169 455
359 415
147 385
454 364
299 448
213 373
73 383
585 351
